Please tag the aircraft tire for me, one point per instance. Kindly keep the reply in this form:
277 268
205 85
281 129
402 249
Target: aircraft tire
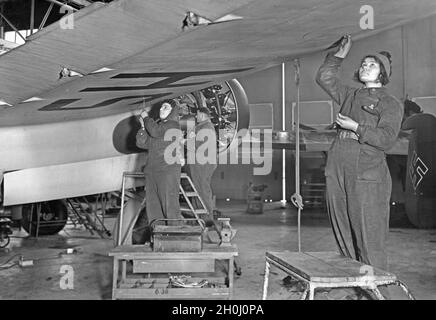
54 216
4 241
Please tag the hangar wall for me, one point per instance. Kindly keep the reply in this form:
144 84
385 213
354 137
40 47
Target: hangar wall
413 48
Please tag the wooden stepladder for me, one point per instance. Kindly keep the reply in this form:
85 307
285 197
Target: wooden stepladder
191 194
197 213
187 190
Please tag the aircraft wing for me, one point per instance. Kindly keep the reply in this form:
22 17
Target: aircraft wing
129 51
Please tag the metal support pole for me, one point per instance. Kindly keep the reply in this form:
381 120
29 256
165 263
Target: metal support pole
265 279
103 206
122 210
47 14
297 146
2 27
63 5
38 216
283 129
95 208
12 26
30 218
32 16
296 197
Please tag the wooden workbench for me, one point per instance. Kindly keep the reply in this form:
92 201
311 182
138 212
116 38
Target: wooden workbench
147 276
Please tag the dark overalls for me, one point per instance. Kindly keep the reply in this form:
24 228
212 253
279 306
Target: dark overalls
162 179
201 174
357 176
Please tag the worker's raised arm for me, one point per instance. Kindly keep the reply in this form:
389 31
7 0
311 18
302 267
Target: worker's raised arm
142 139
157 130
327 76
385 134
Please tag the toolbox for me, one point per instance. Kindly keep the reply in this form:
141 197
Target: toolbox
177 238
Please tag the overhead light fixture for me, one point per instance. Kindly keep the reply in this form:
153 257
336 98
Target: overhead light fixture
104 69
66 73
193 19
33 99
228 17
4 103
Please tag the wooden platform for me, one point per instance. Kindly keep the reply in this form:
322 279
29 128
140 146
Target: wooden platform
149 277
328 270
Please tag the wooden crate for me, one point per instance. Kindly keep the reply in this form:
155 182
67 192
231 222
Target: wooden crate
183 238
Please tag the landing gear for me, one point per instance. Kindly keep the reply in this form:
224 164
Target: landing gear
52 217
5 231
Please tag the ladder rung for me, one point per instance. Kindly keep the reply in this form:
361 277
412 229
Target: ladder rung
197 211
191 194
201 211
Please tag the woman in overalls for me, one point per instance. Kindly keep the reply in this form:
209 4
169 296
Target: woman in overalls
357 176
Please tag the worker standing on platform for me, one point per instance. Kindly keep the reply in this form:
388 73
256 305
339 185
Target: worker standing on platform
202 169
357 176
162 177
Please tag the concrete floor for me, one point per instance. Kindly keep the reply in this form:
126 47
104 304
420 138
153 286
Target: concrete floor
412 257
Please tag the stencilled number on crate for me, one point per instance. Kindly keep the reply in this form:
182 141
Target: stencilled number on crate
160 291
67 280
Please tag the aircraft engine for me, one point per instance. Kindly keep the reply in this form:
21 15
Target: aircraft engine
228 106
226 101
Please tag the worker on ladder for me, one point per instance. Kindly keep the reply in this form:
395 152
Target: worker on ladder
201 165
357 176
163 168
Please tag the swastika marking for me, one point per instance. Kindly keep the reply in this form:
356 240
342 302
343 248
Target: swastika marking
417 170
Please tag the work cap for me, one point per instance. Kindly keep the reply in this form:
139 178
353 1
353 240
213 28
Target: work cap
384 60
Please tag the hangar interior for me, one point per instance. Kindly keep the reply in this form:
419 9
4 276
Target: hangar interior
255 212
